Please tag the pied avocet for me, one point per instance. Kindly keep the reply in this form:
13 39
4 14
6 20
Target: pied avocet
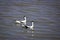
31 27
22 21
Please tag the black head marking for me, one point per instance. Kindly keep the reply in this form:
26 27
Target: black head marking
32 21
24 16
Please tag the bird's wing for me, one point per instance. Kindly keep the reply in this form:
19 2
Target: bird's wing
22 21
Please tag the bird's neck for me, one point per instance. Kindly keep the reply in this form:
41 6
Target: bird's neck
25 18
32 24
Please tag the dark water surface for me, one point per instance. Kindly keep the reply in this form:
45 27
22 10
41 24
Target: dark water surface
45 14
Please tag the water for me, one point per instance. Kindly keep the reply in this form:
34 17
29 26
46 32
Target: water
44 13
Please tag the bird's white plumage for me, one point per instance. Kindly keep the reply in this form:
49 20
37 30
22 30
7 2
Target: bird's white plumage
17 21
31 27
23 21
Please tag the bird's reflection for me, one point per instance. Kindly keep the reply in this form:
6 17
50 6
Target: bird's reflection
32 32
26 30
18 25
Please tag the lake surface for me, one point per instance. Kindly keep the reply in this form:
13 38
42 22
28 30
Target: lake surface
44 13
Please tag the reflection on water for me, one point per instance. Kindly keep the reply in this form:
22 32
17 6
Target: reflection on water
45 14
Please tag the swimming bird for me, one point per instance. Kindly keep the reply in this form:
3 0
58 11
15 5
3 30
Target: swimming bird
31 27
22 21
